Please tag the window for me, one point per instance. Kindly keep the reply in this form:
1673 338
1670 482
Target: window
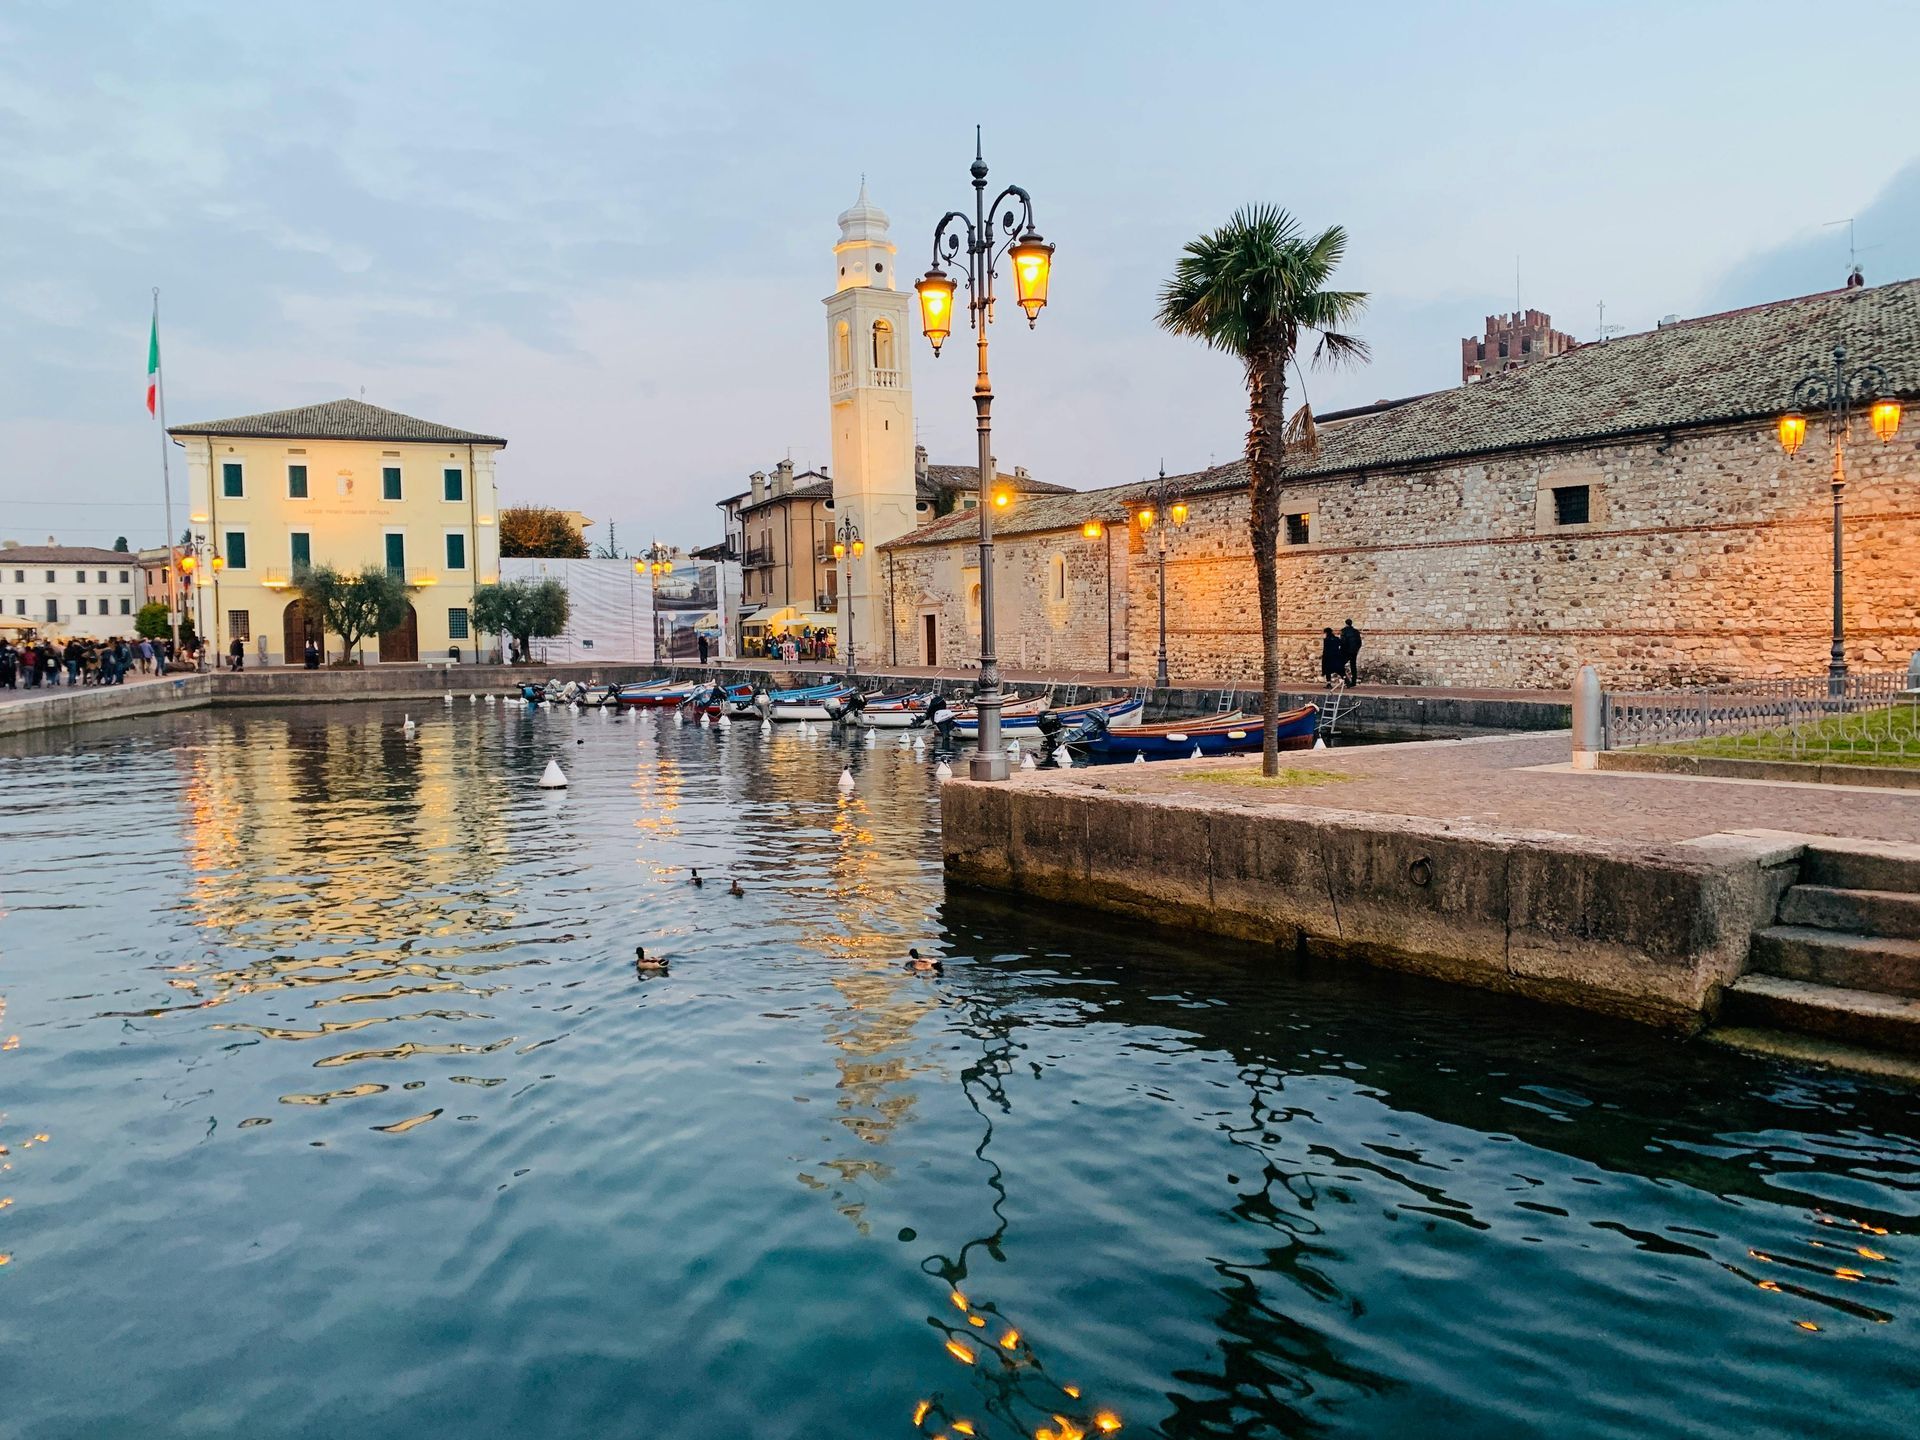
396 555
456 552
882 345
126 605
453 483
126 577
103 577
240 624
1572 504
1059 578
236 551
19 577
389 482
104 607
80 577
83 607
53 610
296 482
50 577
300 546
842 351
1299 529
457 623
20 607
232 484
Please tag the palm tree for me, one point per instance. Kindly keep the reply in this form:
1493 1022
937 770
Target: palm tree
1255 288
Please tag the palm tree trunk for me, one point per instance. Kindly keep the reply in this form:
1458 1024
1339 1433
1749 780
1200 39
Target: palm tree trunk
1266 458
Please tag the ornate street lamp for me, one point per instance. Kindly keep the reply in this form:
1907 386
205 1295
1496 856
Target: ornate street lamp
1161 502
654 561
848 546
985 237
1839 394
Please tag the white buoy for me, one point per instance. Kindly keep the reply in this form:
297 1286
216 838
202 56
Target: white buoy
472 699
906 740
918 744
1318 743
869 740
493 700
846 782
678 718
1196 753
723 723
553 778
1013 747
407 726
1026 763
1139 757
943 771
703 720
766 727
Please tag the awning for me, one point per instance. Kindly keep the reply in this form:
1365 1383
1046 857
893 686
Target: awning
761 619
813 618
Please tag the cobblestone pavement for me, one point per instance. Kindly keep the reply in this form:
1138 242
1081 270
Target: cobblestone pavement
1524 783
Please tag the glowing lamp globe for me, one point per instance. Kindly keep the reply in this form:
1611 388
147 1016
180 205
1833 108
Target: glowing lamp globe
1146 517
1002 497
1793 430
1178 512
1093 529
219 563
859 548
187 563
1885 419
839 551
1032 261
935 290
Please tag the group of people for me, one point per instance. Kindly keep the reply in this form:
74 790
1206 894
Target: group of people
1340 654
35 663
807 643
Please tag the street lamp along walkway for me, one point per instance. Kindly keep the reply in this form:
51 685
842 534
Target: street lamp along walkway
847 543
1839 394
988 235
654 561
1161 502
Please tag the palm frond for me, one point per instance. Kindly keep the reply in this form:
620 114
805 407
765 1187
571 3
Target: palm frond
1301 435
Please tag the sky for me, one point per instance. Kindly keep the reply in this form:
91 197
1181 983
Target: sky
604 230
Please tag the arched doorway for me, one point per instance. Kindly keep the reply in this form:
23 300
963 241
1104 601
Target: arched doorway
403 641
296 629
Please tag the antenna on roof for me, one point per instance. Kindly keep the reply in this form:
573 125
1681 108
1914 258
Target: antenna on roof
1605 329
1854 275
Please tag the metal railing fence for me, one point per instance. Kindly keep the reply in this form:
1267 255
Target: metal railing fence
1861 716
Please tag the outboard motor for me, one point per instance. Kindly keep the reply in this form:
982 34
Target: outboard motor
854 704
763 702
1053 746
941 717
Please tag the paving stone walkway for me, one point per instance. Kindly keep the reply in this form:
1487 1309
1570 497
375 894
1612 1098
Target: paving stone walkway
1525 783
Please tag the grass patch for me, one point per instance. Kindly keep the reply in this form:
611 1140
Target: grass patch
1287 779
1888 736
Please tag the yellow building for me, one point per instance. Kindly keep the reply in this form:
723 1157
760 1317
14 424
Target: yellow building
345 484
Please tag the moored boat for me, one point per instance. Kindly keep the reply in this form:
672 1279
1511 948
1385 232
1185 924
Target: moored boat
1026 716
805 704
1228 734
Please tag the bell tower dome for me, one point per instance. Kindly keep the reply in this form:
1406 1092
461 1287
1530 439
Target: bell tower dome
870 399
864 254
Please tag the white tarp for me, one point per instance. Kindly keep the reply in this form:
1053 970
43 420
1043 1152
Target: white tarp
612 609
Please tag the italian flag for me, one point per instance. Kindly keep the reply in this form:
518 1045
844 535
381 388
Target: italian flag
153 367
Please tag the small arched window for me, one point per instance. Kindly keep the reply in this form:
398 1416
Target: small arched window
842 350
882 345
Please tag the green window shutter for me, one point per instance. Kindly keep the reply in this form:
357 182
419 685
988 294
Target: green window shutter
397 555
236 550
390 482
456 552
231 485
296 482
302 550
455 483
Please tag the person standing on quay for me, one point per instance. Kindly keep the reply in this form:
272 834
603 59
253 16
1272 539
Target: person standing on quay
1333 657
1350 651
703 649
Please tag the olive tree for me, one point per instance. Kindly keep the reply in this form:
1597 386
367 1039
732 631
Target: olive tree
523 609
353 607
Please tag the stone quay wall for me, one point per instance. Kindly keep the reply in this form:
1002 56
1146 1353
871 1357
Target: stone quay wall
63 708
1707 556
1647 933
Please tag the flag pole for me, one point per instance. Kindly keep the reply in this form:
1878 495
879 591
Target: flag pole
166 479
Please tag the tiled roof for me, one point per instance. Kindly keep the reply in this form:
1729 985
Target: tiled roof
1741 365
65 555
336 420
818 487
1717 369
950 478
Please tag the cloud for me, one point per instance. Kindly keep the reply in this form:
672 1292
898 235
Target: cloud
1887 230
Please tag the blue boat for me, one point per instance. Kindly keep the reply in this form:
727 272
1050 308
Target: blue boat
1117 712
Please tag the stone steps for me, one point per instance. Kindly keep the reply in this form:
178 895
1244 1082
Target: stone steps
1850 961
1854 1017
1862 865
1892 913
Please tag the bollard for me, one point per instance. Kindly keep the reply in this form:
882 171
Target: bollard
1587 701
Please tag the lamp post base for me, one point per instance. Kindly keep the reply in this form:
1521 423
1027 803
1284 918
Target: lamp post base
990 752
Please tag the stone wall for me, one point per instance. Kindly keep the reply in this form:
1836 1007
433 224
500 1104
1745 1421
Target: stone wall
1707 556
1055 608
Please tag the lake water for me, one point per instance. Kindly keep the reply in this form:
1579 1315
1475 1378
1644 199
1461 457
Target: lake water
333 1106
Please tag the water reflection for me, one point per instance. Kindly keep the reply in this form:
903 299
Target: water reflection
340 1035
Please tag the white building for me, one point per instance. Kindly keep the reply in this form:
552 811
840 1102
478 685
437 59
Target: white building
71 589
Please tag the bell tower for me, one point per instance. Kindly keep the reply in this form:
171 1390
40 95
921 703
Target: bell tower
870 391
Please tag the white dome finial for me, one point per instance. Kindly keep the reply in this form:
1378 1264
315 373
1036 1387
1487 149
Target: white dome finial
863 221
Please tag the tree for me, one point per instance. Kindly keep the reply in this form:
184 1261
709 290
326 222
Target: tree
539 532
151 622
1255 288
120 545
522 609
353 606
